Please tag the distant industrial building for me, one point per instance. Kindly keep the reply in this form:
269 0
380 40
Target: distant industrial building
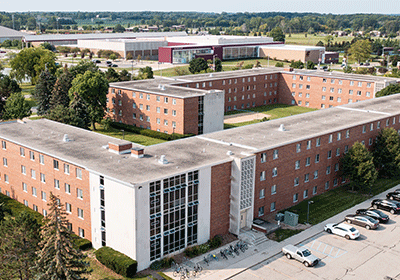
10 34
294 52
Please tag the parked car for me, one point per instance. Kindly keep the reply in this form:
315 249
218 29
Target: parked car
373 213
96 61
114 65
362 220
342 229
386 204
1 51
301 254
108 62
393 195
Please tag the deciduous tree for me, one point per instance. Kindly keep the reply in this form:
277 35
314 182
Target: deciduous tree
277 34
386 152
360 50
197 65
390 89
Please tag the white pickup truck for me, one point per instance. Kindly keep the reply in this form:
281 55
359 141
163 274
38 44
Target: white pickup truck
301 254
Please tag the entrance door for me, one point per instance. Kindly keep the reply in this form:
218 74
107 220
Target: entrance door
243 217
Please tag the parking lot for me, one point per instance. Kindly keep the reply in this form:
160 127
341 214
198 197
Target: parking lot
374 255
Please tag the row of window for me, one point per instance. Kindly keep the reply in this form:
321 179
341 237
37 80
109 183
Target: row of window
332 81
148 96
67 189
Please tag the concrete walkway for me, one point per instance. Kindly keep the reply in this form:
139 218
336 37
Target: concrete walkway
226 269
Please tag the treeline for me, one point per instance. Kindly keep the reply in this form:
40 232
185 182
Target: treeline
228 22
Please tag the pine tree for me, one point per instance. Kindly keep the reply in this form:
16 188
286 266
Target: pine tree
43 90
58 258
60 91
19 239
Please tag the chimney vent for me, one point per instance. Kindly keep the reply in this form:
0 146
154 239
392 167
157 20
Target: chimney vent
163 160
282 128
66 138
137 152
119 148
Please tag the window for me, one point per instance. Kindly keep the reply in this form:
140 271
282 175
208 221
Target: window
368 85
79 193
316 158
68 188
318 143
174 112
378 126
358 92
350 92
297 164
23 169
44 196
41 159
352 83
272 206
42 178
360 84
308 144
306 177
335 182
337 152
5 162
158 120
148 96
147 107
315 174
33 174
339 90
78 172
66 168
173 124
336 167
298 148
134 106
34 191
262 193
370 141
80 213
323 97
68 207
44 212
120 102
296 181
134 115
274 172
141 95
34 207
330 138
26 203
165 99
326 185
262 176
31 155
263 157
165 122
339 136
324 80
308 161
273 189
323 88
387 122
158 98
295 197
314 191
364 128
293 85
165 111
56 184
22 152
4 145
368 94
141 106
261 211
330 154
24 187
348 133
346 149
305 193
328 169
275 155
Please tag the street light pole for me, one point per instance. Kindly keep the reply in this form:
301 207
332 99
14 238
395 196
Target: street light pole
308 209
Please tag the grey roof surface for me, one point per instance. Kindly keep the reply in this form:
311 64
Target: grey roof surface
88 36
87 149
8 32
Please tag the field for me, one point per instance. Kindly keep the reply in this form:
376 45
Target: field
312 40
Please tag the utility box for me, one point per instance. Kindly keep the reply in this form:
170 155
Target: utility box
291 219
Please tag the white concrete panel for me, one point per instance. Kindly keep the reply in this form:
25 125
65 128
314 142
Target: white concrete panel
214 102
204 205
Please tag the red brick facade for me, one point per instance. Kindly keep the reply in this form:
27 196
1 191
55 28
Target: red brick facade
38 172
220 199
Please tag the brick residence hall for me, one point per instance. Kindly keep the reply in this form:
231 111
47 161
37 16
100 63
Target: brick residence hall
196 103
151 202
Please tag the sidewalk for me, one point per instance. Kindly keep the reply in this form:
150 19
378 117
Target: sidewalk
226 269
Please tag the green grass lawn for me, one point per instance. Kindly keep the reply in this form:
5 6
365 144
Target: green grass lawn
27 88
337 200
281 234
129 136
276 111
300 39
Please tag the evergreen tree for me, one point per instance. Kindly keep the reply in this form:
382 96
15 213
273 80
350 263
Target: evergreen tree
146 73
16 107
218 65
390 89
357 165
19 239
197 65
58 257
79 114
386 152
43 91
277 34
60 94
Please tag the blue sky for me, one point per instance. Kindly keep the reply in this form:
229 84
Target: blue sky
321 6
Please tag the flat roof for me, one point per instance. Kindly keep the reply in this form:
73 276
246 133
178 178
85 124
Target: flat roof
293 47
6 32
87 148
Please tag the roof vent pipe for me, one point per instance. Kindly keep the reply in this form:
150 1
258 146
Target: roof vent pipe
66 138
282 128
163 160
162 87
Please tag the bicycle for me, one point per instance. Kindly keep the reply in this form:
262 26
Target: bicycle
197 269
207 261
212 256
185 273
223 254
177 270
229 252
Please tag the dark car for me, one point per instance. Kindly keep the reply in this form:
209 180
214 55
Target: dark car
114 65
373 213
386 204
108 62
96 61
361 220
393 196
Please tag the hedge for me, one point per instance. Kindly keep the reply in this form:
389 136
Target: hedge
148 132
197 250
14 208
116 261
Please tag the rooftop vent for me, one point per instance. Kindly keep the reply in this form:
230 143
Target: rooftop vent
119 148
211 74
137 152
163 160
162 87
229 153
66 138
282 128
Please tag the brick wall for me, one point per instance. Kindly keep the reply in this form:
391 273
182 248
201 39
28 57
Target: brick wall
220 201
16 178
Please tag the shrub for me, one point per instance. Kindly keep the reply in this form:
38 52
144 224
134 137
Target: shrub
167 262
116 261
215 242
248 66
279 64
82 243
